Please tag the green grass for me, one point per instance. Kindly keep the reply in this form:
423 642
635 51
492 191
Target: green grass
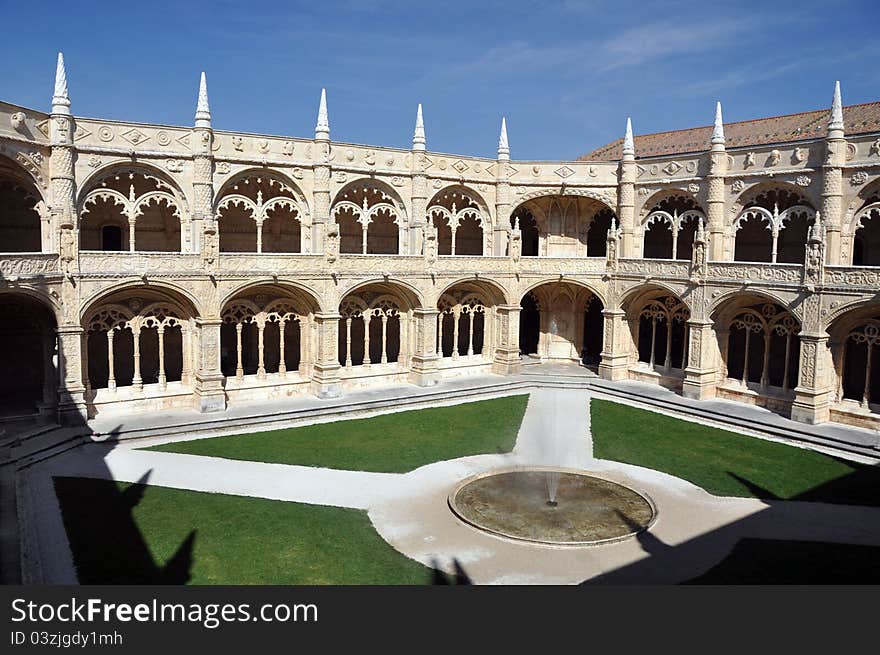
728 464
391 443
141 534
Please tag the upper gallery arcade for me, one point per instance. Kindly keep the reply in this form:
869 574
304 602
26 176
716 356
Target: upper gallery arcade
152 266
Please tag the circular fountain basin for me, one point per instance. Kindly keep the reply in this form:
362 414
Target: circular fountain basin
517 503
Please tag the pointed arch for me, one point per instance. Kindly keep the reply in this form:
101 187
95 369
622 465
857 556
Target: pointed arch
23 212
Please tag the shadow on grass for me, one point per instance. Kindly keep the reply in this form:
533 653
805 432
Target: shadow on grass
107 545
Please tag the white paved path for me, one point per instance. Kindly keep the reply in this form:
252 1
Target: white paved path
410 510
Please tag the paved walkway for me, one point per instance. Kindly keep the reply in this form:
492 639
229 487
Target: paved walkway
410 510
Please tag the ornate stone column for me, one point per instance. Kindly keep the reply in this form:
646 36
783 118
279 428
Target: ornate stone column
626 193
502 196
325 372
716 191
419 193
71 406
832 180
203 181
425 362
507 360
71 390
208 388
321 188
816 387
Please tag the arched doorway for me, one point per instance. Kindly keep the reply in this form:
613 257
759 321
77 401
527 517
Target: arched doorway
28 358
561 321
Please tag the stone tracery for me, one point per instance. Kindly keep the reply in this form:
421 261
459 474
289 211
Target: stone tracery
462 225
370 222
669 227
260 212
779 213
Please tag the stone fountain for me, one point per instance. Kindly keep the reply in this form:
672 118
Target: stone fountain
549 503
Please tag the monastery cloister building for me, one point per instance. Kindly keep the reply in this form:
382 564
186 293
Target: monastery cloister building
151 266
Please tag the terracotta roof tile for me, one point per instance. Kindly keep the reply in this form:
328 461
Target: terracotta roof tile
857 119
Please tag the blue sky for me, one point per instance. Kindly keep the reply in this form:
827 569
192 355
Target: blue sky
564 73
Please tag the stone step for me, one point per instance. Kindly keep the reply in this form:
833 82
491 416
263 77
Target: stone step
344 408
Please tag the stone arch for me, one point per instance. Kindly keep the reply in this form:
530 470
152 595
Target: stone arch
862 228
868 194
136 336
28 332
187 300
310 296
758 343
262 210
462 219
142 202
466 322
854 341
770 222
373 210
24 216
724 299
847 308
668 221
559 224
495 291
567 316
408 291
270 173
377 327
266 332
658 320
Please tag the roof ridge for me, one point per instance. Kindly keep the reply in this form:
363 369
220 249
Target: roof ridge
755 120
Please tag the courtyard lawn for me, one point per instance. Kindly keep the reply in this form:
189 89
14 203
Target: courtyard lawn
142 534
391 443
728 464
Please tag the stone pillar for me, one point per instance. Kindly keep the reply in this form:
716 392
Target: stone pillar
62 207
616 343
716 191
419 203
203 178
325 372
507 360
321 189
71 390
701 372
419 194
814 394
502 196
208 388
425 362
832 180
626 195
